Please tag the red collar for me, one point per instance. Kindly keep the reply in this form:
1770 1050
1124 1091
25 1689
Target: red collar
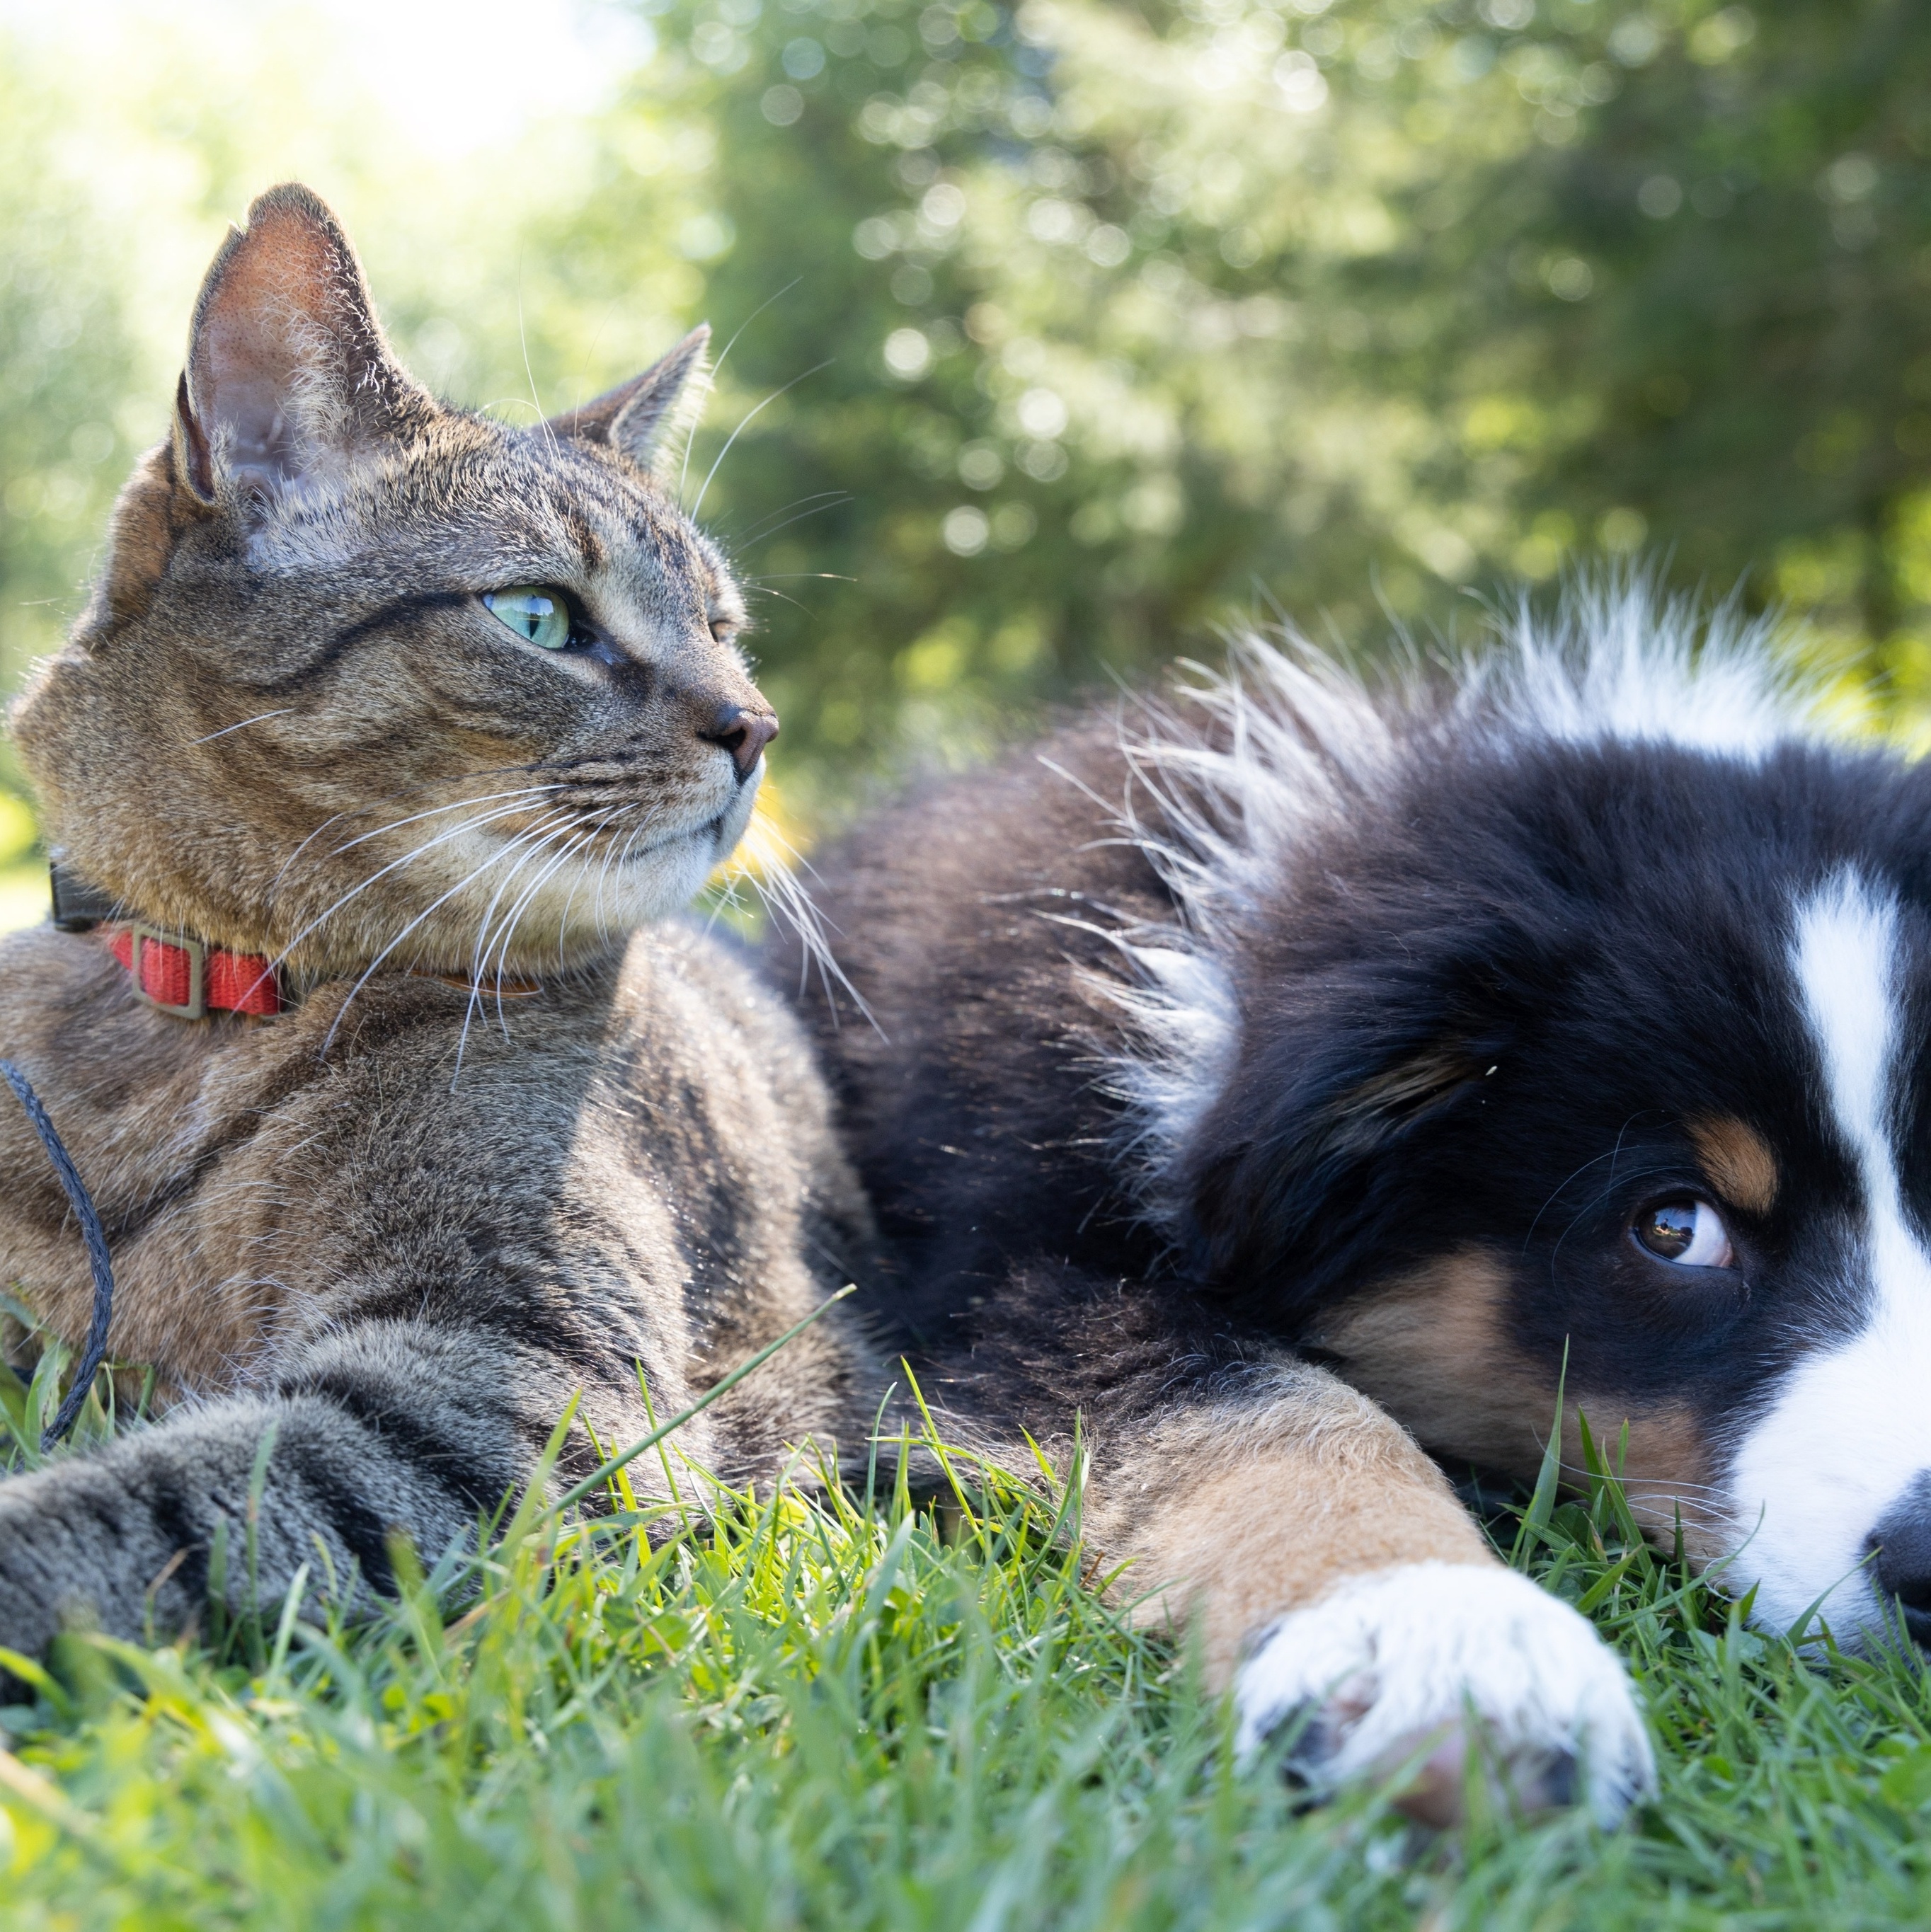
186 977
190 979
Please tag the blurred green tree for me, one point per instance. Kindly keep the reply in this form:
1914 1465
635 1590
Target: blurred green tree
66 363
1136 320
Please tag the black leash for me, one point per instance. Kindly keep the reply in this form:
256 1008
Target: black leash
76 1190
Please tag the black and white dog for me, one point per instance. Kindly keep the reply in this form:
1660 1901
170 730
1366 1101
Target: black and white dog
1293 1070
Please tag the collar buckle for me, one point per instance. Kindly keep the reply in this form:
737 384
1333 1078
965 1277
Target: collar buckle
195 1007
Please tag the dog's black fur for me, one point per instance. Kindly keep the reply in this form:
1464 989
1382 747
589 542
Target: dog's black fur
972 1087
1496 975
1447 1040
1597 923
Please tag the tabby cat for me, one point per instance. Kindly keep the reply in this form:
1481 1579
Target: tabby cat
389 731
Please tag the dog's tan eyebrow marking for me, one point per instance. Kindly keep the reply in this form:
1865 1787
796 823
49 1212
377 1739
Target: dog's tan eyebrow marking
1738 1161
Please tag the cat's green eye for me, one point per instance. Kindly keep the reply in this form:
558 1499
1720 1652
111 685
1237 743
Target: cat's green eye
537 616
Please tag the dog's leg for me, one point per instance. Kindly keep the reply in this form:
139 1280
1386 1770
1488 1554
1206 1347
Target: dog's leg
1327 1568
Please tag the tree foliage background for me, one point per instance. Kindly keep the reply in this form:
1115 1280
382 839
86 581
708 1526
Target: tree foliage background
1063 333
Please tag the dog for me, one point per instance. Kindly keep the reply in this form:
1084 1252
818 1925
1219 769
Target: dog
1312 1066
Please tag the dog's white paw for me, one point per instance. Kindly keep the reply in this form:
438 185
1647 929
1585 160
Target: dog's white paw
1394 1664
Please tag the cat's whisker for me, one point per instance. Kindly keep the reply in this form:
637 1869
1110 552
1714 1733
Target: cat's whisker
615 813
513 917
390 798
479 955
428 911
479 958
529 374
758 534
717 368
443 838
437 811
723 896
773 874
260 718
765 590
603 880
354 892
477 970
587 837
697 509
563 918
597 913
468 879
629 846
815 499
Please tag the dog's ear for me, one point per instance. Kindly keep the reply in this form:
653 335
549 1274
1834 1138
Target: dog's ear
1341 1075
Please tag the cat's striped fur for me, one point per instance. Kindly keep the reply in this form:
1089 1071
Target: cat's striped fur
400 1224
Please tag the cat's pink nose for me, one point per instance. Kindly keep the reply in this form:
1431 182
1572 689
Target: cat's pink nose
744 734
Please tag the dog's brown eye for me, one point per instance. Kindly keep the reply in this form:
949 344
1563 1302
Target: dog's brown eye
723 629
1688 1232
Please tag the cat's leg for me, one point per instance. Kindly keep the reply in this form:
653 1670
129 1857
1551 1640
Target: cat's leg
379 1427
1328 1570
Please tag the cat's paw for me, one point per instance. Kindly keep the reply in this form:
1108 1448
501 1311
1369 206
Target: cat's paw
1392 1666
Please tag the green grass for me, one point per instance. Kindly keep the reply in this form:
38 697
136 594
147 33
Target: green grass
845 1712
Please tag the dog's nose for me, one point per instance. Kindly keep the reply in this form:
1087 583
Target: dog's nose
1902 1570
744 734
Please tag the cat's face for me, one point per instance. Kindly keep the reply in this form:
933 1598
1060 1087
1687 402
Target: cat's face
366 677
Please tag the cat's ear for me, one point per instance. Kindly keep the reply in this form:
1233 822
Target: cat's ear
634 418
287 367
